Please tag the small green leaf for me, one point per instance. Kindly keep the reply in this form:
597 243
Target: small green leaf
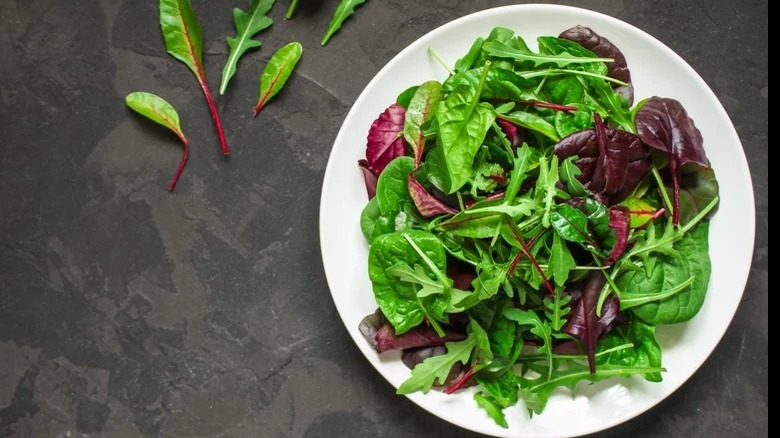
276 72
157 109
248 24
343 11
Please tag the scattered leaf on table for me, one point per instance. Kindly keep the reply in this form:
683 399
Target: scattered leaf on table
184 41
277 71
248 24
343 11
160 111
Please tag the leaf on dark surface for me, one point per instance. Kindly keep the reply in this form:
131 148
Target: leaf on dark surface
426 203
385 139
604 48
369 177
662 123
612 161
583 322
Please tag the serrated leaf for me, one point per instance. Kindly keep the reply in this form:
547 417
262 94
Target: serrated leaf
158 110
437 368
248 24
343 11
277 71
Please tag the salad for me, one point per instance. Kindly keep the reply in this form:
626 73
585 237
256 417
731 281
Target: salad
530 225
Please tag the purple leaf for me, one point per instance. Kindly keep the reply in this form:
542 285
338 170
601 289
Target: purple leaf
512 132
619 220
603 48
583 322
385 338
663 123
426 204
612 161
369 177
385 139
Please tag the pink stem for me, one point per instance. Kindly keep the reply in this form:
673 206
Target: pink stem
180 169
214 114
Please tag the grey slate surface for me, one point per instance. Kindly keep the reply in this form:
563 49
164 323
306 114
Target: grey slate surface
127 311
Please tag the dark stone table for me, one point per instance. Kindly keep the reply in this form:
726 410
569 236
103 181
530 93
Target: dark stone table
128 311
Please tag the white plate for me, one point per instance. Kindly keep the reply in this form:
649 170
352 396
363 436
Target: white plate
655 70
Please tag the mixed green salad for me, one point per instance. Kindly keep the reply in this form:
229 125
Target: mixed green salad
530 225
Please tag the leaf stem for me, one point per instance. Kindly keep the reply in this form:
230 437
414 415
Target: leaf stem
214 114
436 57
291 9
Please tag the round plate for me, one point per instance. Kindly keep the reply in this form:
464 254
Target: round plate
655 70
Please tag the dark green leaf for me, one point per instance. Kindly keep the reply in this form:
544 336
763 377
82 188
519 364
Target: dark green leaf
392 187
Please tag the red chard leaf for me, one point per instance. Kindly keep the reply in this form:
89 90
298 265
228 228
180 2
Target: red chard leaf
583 322
619 221
603 48
386 340
369 177
512 132
184 41
426 204
662 123
612 161
385 138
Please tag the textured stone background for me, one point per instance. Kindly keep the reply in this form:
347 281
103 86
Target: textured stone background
126 311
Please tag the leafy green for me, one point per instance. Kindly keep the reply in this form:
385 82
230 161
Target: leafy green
248 24
158 110
437 368
277 71
343 11
184 41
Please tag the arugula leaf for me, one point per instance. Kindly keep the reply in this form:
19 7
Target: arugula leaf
343 11
276 72
501 50
437 368
248 24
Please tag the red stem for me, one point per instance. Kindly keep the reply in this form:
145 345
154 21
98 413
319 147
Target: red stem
214 114
183 161
458 384
547 284
520 255
675 188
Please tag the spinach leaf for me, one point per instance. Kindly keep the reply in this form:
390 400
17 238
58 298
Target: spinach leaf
421 109
692 260
646 352
392 188
463 122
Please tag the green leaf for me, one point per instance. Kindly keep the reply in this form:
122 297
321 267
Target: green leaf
392 187
692 260
248 24
536 392
646 352
533 122
572 224
421 108
368 218
160 111
640 211
463 123
184 41
495 411
277 71
561 261
343 11
156 109
501 50
437 368
569 173
399 300
557 310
